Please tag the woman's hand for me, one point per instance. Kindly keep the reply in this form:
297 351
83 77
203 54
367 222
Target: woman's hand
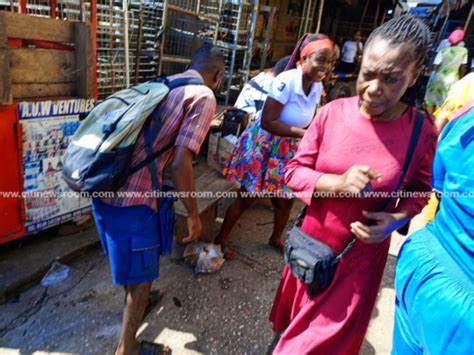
299 131
356 179
383 225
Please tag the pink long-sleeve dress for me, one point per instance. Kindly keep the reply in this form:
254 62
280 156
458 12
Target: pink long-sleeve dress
335 321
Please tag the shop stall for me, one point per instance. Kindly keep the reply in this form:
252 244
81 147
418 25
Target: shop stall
47 86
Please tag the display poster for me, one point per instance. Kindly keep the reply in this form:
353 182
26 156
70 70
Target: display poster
48 127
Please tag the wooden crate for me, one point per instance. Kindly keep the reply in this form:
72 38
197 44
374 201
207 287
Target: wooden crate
50 58
211 187
218 152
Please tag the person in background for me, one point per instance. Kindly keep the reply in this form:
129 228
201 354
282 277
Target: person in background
449 67
264 148
351 52
337 49
446 44
434 275
459 95
255 91
354 145
129 227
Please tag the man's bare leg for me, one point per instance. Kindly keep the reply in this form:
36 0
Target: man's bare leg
136 300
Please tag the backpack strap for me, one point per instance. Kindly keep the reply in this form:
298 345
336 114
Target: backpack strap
415 134
176 83
150 133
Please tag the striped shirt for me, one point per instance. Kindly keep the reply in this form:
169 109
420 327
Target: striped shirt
187 111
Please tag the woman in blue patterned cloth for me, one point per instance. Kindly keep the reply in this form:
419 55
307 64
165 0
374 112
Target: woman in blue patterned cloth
262 151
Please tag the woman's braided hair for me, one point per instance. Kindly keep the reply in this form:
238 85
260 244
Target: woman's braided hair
411 31
405 30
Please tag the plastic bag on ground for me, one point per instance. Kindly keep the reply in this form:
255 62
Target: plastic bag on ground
56 273
205 257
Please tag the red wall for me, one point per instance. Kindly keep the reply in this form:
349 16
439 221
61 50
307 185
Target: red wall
11 176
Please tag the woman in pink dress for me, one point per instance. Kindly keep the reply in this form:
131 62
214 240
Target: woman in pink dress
354 145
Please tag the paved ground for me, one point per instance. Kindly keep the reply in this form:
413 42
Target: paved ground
224 313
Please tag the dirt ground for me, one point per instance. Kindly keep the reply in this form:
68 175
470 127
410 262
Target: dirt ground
223 313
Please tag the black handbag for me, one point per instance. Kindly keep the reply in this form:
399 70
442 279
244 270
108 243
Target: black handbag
312 261
234 122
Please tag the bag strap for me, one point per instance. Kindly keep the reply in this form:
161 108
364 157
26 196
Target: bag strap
257 87
150 134
415 135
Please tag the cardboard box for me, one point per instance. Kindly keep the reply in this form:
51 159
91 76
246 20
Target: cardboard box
219 152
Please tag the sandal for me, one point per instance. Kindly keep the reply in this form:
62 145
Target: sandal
149 348
277 244
154 298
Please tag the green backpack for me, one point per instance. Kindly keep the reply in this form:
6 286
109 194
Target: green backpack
99 155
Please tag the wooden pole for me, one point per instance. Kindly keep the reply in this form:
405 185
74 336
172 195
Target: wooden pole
377 11
320 15
268 32
302 27
126 43
139 46
82 10
22 7
469 18
363 14
94 43
52 8
382 21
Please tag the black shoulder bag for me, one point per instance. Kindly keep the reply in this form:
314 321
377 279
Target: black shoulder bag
234 122
312 261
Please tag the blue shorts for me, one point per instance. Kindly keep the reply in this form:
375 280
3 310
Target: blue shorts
130 237
434 309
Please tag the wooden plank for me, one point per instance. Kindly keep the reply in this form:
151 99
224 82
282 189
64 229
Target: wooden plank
5 80
25 91
34 65
211 18
37 28
175 59
209 225
84 60
208 182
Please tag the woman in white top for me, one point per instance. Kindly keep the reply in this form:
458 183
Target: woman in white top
260 156
255 92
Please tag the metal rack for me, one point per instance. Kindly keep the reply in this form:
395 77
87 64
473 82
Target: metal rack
185 30
145 20
136 40
228 24
127 43
126 35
